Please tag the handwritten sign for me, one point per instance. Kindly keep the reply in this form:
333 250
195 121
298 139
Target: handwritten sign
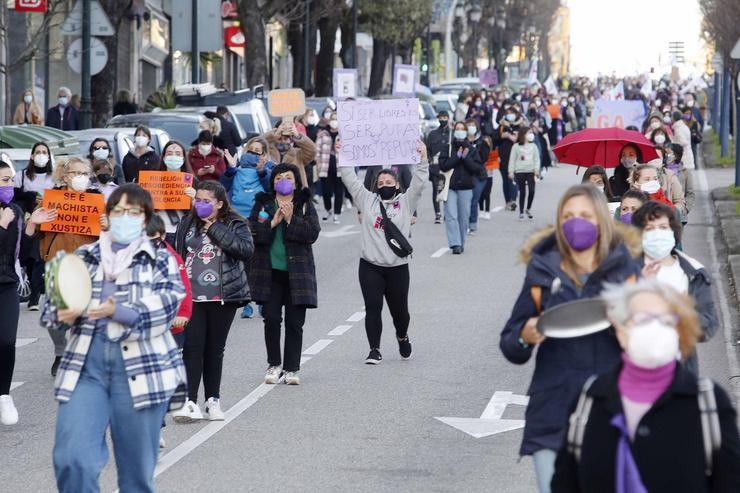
404 80
378 132
286 102
488 77
619 114
167 188
77 213
345 83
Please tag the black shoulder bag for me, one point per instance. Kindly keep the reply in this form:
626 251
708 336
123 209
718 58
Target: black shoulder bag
395 238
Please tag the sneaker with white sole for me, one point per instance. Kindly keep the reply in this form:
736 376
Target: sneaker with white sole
326 216
337 219
188 413
8 412
404 347
291 378
272 375
213 410
374 358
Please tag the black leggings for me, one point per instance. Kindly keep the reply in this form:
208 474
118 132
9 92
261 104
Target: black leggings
332 186
484 203
205 340
521 180
9 307
393 283
295 317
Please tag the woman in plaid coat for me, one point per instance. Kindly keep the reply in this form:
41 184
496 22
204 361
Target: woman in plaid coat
121 367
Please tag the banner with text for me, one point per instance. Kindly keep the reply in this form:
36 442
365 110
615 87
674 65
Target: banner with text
378 132
77 213
167 188
619 114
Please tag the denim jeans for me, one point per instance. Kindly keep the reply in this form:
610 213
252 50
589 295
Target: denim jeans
457 213
102 399
477 192
544 468
510 188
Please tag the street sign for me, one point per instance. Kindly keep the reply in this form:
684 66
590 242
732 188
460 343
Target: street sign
735 53
98 55
99 23
30 5
490 421
209 23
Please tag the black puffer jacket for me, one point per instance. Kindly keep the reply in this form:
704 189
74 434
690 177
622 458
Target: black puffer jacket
466 169
9 246
233 237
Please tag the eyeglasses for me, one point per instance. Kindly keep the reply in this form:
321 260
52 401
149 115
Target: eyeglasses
642 318
131 211
78 173
100 148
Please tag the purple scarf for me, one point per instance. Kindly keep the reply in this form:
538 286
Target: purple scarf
625 472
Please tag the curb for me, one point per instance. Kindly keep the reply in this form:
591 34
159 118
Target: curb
728 221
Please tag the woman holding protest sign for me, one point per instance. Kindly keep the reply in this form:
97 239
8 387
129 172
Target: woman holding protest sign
14 237
73 174
175 158
384 271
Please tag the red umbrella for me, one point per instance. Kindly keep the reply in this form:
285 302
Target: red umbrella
601 146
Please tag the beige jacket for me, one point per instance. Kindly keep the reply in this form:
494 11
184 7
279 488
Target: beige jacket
35 115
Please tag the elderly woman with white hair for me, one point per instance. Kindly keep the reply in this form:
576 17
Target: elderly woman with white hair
650 424
63 115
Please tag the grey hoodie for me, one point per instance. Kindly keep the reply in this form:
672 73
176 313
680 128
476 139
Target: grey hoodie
400 209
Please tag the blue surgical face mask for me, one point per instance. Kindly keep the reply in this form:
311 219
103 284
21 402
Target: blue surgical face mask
250 160
125 229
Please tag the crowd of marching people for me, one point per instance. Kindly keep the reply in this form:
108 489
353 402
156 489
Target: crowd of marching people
168 284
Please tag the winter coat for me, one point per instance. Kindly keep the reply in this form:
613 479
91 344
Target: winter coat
198 161
31 115
244 182
233 237
438 144
230 138
505 145
50 243
298 236
562 365
466 169
682 136
12 246
70 121
683 179
301 153
673 190
185 309
619 181
324 152
668 448
524 159
149 161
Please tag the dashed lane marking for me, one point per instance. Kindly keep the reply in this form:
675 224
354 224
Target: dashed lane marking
440 252
25 341
356 317
15 385
339 330
318 346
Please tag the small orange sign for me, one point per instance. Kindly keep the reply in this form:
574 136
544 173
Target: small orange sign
286 102
167 188
77 213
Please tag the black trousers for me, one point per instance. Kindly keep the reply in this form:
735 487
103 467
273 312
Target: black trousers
9 307
205 340
484 203
392 283
295 317
332 187
521 180
434 177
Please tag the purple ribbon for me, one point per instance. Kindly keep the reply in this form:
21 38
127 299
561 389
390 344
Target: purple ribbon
626 473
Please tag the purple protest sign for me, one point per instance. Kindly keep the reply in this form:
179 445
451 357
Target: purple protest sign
404 80
378 132
488 77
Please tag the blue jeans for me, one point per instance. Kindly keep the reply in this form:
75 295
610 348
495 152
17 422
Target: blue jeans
457 213
477 192
102 399
510 188
544 468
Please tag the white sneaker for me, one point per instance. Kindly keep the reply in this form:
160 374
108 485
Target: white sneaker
291 378
485 215
336 219
213 410
272 376
8 412
188 413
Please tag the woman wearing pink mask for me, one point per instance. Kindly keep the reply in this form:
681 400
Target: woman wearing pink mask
572 261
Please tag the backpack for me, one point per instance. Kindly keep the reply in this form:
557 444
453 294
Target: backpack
711 432
244 189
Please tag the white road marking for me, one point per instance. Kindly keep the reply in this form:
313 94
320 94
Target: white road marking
318 346
25 341
356 317
498 208
15 385
343 231
440 252
339 330
490 421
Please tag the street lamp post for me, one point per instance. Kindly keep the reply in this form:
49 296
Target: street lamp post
491 21
475 15
306 43
85 106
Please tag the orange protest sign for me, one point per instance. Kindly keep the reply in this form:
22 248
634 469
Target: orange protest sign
167 188
286 102
77 213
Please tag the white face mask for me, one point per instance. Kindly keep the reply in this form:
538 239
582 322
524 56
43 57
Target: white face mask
472 131
312 120
530 137
660 139
79 183
628 162
327 115
27 99
650 187
652 345
600 187
173 162
101 153
141 141
690 104
655 125
510 117
333 124
63 101
459 134
40 160
205 149
658 243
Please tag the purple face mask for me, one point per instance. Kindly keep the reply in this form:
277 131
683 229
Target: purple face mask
626 218
686 118
203 209
284 187
580 233
6 194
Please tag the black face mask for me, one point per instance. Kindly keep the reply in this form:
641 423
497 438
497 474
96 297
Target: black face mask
387 193
157 243
443 123
104 178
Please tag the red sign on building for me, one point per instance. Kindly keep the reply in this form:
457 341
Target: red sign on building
234 37
30 5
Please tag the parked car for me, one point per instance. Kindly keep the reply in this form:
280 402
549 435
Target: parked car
445 102
252 117
428 117
181 126
118 139
17 140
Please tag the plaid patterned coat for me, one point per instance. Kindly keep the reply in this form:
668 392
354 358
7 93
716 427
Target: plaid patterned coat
151 286
298 236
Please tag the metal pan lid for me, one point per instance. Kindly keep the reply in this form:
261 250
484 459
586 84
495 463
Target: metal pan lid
574 319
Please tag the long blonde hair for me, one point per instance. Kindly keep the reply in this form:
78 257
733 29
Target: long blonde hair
608 237
62 166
